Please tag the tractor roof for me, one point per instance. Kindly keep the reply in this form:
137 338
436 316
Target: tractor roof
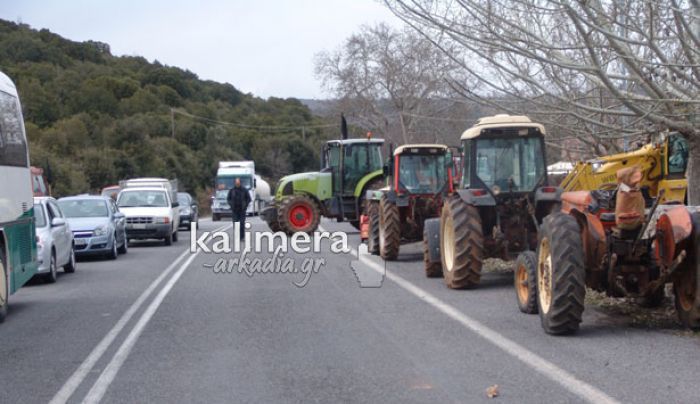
501 121
405 147
357 141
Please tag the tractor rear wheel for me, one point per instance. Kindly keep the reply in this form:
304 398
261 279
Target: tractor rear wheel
431 229
561 276
686 284
298 213
274 225
525 279
389 230
373 237
461 244
4 287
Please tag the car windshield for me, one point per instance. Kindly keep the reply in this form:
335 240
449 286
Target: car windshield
510 164
183 199
222 194
227 182
84 208
422 173
131 199
39 217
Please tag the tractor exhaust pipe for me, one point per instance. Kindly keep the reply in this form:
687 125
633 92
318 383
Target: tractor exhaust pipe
343 127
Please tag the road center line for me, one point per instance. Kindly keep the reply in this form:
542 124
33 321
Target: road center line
583 390
76 379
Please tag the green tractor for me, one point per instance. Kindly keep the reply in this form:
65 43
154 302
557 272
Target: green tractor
349 167
420 178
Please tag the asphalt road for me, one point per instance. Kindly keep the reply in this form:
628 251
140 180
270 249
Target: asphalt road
160 325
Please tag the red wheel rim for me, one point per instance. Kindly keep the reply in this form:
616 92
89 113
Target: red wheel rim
300 216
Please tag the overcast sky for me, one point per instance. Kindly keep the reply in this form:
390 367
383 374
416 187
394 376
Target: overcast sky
265 47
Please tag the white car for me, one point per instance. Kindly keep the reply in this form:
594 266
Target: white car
150 213
55 246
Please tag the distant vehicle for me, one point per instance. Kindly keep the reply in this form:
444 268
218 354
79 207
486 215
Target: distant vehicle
18 259
263 194
170 186
54 239
40 186
189 209
226 177
150 213
99 228
111 191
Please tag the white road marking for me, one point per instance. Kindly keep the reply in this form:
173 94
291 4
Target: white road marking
76 379
565 379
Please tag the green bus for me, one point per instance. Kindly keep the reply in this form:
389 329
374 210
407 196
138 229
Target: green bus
18 254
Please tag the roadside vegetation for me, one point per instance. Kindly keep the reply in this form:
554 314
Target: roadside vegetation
94 118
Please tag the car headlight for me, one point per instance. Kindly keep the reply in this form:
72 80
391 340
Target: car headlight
161 220
100 231
185 211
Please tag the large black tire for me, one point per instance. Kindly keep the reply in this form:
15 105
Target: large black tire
373 236
525 282
69 268
561 275
298 213
432 269
215 217
461 244
389 230
4 286
355 224
686 284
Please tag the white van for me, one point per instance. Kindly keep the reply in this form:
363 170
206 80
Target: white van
151 213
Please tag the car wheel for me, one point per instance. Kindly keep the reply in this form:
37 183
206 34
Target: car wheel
52 275
125 247
69 268
169 239
114 253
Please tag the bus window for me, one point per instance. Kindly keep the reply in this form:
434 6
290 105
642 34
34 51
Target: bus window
13 149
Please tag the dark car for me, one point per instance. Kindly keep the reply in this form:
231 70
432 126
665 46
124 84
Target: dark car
189 211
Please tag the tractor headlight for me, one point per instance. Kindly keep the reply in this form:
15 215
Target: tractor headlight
496 189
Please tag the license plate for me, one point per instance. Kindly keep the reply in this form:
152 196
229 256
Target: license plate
80 241
138 226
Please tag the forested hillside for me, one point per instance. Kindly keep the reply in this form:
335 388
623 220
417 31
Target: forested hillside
95 118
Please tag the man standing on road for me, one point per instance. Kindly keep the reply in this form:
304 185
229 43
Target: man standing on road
238 199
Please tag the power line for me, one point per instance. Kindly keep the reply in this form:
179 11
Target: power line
261 128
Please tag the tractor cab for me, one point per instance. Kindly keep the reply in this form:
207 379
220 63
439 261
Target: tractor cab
421 169
504 155
349 161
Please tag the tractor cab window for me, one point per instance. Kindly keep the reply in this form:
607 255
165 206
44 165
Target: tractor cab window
677 154
423 173
509 164
360 159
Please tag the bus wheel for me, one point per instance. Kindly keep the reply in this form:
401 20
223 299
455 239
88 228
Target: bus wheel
4 289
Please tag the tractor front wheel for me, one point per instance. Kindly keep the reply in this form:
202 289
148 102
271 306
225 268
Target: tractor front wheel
373 238
461 244
686 284
525 279
389 230
298 213
431 231
561 276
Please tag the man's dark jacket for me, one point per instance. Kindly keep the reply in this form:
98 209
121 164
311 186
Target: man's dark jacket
238 199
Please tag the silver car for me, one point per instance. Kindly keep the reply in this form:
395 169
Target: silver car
98 226
54 239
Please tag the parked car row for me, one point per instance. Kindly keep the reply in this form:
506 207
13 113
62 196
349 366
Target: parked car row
90 225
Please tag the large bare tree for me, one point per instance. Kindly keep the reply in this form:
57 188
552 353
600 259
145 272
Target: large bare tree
594 70
390 81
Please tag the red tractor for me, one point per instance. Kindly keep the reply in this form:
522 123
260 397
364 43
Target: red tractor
419 178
